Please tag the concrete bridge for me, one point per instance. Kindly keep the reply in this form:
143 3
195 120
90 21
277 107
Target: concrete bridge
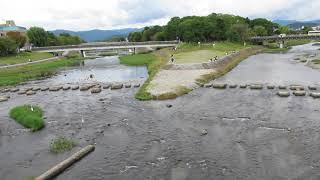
106 46
281 39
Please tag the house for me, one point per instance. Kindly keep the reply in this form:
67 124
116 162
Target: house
11 26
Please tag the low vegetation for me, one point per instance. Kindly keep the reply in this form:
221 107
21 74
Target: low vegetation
13 76
29 116
274 47
181 90
316 61
24 57
61 144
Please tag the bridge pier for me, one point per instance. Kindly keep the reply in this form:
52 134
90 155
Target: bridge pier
281 44
83 53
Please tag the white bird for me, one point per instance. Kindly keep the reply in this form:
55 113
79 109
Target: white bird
31 108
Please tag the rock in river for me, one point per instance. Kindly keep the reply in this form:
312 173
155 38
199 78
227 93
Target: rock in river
66 87
95 90
116 86
29 93
283 93
75 87
299 93
315 94
127 86
219 86
256 86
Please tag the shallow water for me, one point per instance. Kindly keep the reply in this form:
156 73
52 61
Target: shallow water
252 134
104 70
276 69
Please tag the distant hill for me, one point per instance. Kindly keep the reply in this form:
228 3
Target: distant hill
294 24
96 34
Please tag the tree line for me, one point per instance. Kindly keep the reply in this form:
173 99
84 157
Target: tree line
214 27
13 41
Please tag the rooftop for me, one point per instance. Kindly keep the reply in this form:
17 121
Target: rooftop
11 26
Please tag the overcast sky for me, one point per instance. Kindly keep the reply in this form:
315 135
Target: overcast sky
112 14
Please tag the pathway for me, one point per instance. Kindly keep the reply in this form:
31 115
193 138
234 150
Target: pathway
27 63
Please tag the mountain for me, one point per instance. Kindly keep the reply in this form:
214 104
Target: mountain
294 24
96 34
284 22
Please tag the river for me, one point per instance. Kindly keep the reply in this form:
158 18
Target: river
251 134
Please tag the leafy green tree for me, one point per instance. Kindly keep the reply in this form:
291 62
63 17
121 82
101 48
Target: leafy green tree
242 30
135 36
260 31
37 36
18 38
7 46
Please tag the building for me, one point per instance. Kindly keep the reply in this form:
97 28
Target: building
11 26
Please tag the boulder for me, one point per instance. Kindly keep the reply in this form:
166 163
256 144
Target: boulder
29 93
256 86
204 132
283 93
282 87
127 86
95 90
66 88
44 89
315 94
75 87
299 93
270 86
219 86
207 85
116 86
136 85
232 86
243 86
14 90
312 87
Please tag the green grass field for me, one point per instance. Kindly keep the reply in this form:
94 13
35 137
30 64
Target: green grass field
16 75
192 53
28 116
24 57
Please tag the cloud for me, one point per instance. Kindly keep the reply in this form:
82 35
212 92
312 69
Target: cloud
110 14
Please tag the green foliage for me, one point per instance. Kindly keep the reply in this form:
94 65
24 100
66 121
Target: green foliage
67 39
214 27
13 76
7 46
260 30
61 144
18 38
29 116
38 36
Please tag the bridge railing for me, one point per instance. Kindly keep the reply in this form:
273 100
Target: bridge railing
287 37
103 44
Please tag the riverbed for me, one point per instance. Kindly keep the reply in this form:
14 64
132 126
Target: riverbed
251 134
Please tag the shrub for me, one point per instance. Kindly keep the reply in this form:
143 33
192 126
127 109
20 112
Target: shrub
61 144
29 116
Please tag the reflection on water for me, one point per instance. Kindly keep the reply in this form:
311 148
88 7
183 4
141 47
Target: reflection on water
106 69
277 69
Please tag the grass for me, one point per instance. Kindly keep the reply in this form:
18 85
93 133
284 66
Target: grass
153 61
225 68
316 61
61 144
273 47
24 57
29 178
181 90
192 53
28 116
16 75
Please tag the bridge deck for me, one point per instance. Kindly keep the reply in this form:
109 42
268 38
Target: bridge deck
288 37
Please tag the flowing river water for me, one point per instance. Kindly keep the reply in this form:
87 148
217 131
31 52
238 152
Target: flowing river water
251 134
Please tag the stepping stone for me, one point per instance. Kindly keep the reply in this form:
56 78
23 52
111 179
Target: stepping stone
299 93
296 88
5 90
256 86
3 98
54 88
65 88
136 85
44 89
207 85
283 93
14 90
29 93
315 95
127 86
243 86
282 87
106 86
76 87
22 92
95 90
232 86
116 86
219 86
36 88
312 87
270 87
85 88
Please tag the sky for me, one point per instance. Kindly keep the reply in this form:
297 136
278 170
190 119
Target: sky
114 14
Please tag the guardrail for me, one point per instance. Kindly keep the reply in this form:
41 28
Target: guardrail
93 45
287 37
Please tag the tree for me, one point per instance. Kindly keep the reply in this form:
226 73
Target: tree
7 46
38 36
260 31
242 30
135 36
18 38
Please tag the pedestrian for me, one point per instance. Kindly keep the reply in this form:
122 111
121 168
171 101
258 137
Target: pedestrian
172 58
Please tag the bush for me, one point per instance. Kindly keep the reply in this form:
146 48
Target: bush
29 116
7 46
61 144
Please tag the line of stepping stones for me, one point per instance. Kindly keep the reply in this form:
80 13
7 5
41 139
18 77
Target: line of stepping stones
94 88
283 90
